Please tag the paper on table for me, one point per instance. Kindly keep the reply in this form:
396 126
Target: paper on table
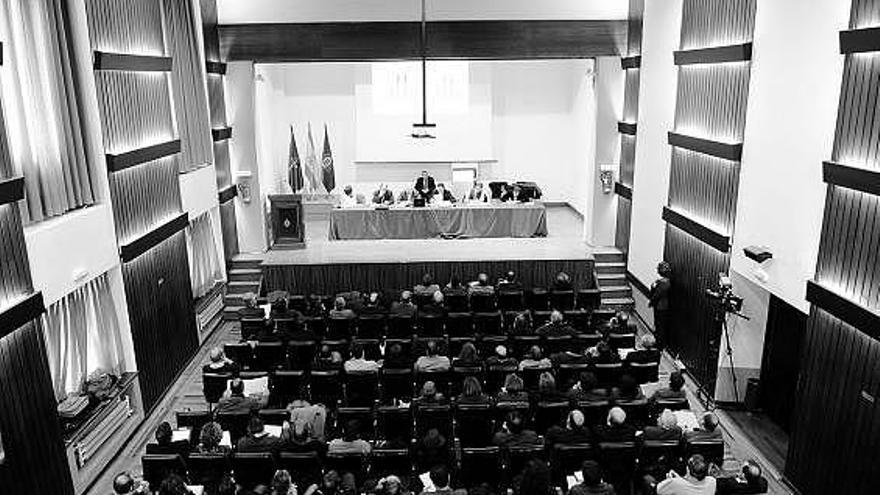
576 479
226 441
180 434
196 489
687 420
273 430
427 484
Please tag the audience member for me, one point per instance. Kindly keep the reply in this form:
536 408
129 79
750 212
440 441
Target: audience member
628 389
659 301
357 362
645 352
616 429
573 432
432 450
282 483
521 325
429 395
514 433
467 357
405 306
164 444
126 484
477 194
547 391
439 476
210 437
513 390
500 358
257 439
675 389
696 482
535 360
556 327
562 282
251 309
220 363
173 485
509 282
605 354
339 310
436 307
373 305
236 402
592 481
587 389
708 430
667 428
297 437
428 286
455 288
749 481
350 442
431 362
327 359
481 285
472 392
443 194
534 480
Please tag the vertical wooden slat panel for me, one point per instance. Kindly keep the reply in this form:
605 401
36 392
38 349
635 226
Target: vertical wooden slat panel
624 218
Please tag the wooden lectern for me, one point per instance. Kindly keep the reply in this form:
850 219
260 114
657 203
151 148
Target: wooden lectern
288 227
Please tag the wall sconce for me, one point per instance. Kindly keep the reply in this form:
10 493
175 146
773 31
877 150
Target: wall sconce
606 177
243 183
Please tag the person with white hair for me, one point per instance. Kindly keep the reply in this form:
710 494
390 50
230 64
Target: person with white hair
616 429
219 363
574 431
667 428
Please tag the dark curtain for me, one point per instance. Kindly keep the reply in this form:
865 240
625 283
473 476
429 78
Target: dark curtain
780 364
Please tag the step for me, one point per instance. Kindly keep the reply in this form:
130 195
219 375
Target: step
611 279
615 291
609 256
230 313
611 267
246 261
245 275
619 303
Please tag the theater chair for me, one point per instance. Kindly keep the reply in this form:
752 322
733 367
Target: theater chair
589 299
460 326
495 376
643 372
474 425
515 459
638 411
511 300
502 409
400 327
600 317
488 323
657 457
275 417
478 466
287 385
681 404
395 425
457 303
364 418
459 373
587 340
213 386
431 416
157 467
207 469
340 329
558 343
361 388
595 411
568 458
235 423
562 300
317 325
549 414
396 384
253 469
250 327
194 420
384 462
482 303
531 376
711 450
431 326
371 327
578 319
522 343
618 461
304 467
326 387
268 356
242 353
540 318
353 463
423 299
569 373
300 354
298 302
537 299
608 374
622 340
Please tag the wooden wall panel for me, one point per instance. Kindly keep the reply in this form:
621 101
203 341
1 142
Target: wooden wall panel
624 220
229 229
160 306
15 279
780 363
216 101
627 159
711 101
144 197
705 187
835 439
35 457
631 96
695 332
706 23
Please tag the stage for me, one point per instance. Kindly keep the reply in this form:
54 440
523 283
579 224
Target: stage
325 267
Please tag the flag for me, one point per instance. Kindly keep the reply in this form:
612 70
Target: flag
294 167
327 164
313 168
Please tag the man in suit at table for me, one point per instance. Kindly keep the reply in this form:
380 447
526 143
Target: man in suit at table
425 186
383 196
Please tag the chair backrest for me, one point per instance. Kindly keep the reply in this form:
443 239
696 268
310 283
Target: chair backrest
644 372
340 328
158 467
251 327
595 411
622 340
460 325
213 386
207 469
589 299
510 300
456 302
396 384
579 319
354 463
549 414
326 387
479 465
441 380
589 339
502 409
618 460
482 302
537 299
568 458
568 373
361 388
384 462
558 343
275 417
252 469
235 423
371 326
298 302
395 425
518 456
423 298
531 376
495 376
711 450
488 323
540 317
431 325
638 412
286 386
459 373
268 356
661 455
300 354
304 467
600 317
242 353
317 324
434 416
608 373
364 418
680 404
474 425
562 300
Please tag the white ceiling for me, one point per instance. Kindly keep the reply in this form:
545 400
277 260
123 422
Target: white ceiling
290 11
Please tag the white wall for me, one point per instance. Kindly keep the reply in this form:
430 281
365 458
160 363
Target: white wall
656 113
272 11
609 108
542 123
792 111
241 107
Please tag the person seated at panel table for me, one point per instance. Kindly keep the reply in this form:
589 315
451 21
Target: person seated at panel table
513 193
347 199
425 186
406 196
442 195
477 194
383 195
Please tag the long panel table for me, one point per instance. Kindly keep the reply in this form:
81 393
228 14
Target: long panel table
492 220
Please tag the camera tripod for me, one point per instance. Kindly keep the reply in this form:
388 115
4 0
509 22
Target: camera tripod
725 330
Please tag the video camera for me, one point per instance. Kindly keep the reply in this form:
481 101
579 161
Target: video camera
724 296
